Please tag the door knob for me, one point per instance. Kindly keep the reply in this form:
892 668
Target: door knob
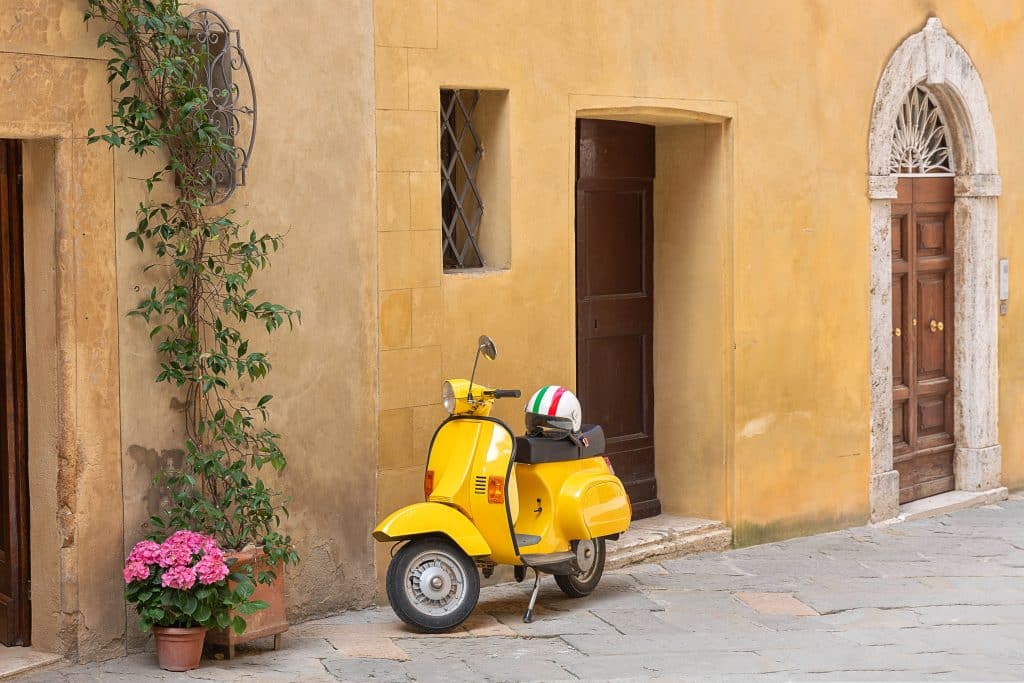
935 326
898 332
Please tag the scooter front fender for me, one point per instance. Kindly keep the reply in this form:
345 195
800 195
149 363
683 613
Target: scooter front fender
421 519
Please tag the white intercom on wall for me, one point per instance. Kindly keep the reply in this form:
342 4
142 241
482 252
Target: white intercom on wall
1004 285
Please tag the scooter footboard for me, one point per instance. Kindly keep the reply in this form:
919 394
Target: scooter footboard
421 519
602 503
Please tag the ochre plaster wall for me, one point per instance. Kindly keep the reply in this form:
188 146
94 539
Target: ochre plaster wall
310 178
39 203
691 237
799 79
71 319
91 370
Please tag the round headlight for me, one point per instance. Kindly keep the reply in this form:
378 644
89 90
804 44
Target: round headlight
448 397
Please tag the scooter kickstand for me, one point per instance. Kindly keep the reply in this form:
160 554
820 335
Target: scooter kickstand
528 617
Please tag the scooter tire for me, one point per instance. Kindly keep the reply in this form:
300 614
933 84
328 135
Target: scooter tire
582 586
400 586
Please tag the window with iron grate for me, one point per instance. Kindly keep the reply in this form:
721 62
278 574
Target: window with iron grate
474 179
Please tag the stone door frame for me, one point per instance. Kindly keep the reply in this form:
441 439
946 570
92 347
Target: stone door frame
931 57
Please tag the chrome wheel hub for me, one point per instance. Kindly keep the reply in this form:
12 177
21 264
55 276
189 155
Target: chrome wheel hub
586 558
435 584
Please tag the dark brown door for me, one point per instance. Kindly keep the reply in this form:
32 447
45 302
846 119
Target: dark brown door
14 568
614 297
922 349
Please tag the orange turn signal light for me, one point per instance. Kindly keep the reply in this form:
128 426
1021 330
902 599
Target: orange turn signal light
496 489
428 483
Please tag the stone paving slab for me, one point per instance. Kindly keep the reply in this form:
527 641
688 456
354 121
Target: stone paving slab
941 598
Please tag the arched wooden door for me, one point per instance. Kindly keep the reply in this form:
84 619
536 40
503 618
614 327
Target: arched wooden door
922 348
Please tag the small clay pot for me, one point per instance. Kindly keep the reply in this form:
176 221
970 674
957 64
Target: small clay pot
179 649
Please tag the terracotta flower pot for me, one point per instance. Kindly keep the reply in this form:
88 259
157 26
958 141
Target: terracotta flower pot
264 623
179 649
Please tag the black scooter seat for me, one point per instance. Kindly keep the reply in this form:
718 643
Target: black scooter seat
535 450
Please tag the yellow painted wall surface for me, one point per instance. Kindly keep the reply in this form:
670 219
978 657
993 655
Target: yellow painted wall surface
796 81
691 322
776 100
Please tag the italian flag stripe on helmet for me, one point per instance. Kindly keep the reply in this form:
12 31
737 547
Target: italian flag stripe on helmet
535 408
555 399
546 400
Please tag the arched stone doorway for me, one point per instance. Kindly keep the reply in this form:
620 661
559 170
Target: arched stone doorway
933 59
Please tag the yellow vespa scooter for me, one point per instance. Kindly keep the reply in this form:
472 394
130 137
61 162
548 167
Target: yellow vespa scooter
495 498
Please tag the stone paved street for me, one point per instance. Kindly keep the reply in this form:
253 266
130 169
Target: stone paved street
940 598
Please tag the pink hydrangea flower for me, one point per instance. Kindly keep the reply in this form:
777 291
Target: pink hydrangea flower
211 569
174 554
192 540
147 552
211 549
181 578
135 570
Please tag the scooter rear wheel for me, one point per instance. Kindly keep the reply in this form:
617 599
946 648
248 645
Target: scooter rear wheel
590 557
432 584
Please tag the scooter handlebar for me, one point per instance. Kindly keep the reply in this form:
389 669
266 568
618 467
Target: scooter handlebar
507 393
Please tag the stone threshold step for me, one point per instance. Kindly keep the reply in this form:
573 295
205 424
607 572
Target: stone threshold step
18 660
667 536
948 502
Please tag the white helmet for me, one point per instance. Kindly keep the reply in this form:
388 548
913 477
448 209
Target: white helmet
553 412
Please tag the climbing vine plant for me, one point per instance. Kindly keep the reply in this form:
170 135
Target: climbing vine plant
203 314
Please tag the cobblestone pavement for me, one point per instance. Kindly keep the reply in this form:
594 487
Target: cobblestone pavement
940 598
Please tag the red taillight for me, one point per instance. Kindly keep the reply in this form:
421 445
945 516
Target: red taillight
607 461
428 483
496 490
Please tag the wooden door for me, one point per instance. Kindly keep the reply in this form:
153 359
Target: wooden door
14 567
922 349
614 297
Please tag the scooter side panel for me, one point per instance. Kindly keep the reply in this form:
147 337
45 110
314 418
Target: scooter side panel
537 495
606 508
433 518
450 465
492 458
593 503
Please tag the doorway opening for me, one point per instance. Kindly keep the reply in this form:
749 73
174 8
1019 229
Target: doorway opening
15 613
653 292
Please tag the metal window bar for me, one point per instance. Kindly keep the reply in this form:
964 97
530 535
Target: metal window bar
462 208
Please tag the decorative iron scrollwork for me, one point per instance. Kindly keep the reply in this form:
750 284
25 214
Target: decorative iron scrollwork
225 73
919 143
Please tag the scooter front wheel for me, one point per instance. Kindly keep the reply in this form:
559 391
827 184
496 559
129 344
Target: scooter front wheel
590 558
432 584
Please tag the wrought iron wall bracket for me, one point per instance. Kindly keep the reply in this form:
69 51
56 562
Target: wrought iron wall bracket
225 73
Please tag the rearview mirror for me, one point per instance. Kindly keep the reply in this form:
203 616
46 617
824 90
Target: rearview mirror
486 346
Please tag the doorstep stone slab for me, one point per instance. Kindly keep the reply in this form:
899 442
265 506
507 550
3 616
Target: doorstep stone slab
18 660
950 502
667 536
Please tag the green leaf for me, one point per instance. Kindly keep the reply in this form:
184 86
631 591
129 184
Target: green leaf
238 625
202 614
189 604
251 607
